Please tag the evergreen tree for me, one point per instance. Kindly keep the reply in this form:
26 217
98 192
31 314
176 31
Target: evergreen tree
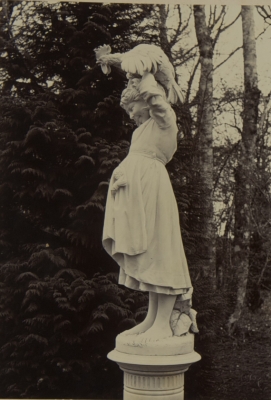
62 134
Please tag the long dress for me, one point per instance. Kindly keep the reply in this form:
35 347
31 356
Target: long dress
141 227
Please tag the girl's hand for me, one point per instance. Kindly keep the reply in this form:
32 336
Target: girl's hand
147 75
147 81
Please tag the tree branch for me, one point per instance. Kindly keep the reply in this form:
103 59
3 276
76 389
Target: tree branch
267 260
234 126
260 34
219 30
230 24
229 56
189 51
263 13
210 17
238 48
174 38
264 113
191 79
221 15
187 22
180 29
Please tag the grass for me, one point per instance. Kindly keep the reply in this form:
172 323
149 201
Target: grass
232 367
237 367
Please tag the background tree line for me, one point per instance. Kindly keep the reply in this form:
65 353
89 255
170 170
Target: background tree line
62 134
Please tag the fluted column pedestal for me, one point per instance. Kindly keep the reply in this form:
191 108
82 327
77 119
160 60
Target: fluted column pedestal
147 377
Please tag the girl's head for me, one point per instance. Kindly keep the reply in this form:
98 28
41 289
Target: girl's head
131 93
134 104
138 110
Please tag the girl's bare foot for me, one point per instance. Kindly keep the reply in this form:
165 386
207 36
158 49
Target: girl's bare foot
154 334
140 328
148 321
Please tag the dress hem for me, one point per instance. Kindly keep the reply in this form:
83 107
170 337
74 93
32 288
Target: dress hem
134 284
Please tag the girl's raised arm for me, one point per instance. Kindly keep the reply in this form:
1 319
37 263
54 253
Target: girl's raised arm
154 95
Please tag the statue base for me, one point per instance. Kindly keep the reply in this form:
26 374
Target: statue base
171 346
147 377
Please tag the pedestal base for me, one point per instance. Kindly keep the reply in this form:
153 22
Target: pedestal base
171 346
146 377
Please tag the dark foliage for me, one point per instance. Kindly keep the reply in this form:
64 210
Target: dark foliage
62 134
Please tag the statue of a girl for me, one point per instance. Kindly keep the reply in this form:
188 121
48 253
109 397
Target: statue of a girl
141 227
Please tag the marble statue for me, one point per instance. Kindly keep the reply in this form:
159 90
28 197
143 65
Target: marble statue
141 227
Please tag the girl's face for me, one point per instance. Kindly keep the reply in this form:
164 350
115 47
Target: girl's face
138 111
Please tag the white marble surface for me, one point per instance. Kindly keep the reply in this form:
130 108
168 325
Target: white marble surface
172 346
184 359
147 377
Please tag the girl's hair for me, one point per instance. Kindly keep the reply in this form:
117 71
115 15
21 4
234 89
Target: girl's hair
128 96
131 93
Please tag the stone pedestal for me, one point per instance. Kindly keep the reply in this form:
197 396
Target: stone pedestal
146 377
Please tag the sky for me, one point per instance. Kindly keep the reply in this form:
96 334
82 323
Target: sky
233 38
230 74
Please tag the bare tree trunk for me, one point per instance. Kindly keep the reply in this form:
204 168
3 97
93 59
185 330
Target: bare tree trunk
204 137
245 169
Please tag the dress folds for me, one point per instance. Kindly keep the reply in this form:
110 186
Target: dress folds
141 227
